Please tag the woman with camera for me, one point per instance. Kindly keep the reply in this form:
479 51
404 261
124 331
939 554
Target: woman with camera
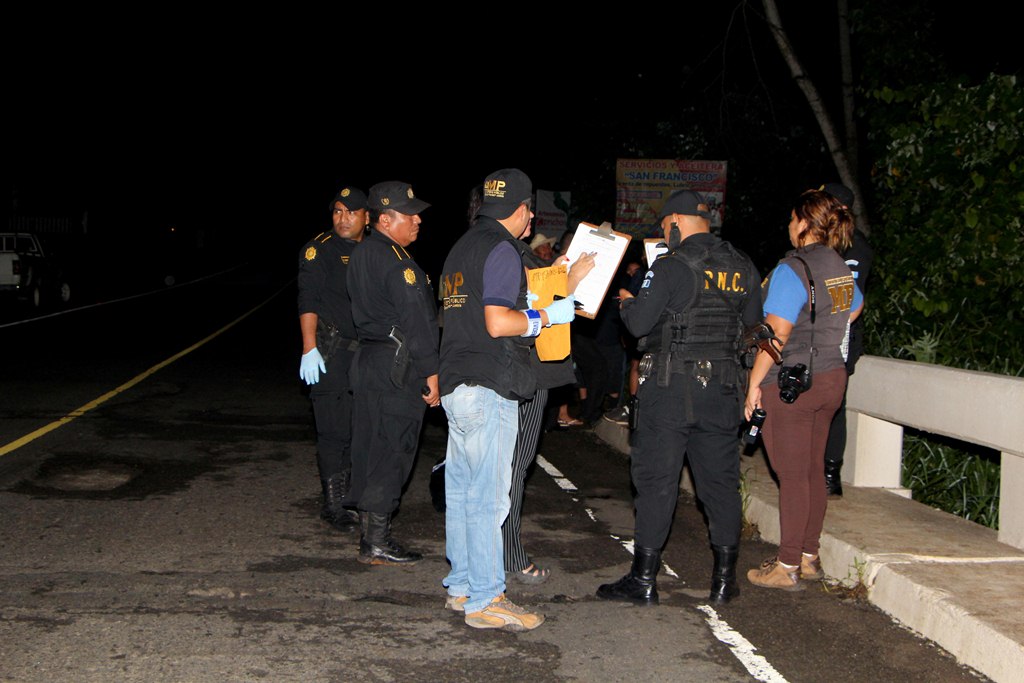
809 300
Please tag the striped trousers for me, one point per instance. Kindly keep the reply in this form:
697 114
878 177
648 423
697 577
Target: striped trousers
531 415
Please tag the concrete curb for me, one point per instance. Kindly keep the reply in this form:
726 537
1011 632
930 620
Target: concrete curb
935 614
940 595
945 578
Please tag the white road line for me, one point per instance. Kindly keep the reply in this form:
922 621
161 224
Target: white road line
559 478
741 648
755 664
567 485
628 545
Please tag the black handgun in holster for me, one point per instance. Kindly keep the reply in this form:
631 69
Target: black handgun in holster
328 338
634 411
646 367
400 363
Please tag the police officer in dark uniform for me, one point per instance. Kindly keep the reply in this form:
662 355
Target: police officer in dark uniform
859 258
690 314
328 344
394 372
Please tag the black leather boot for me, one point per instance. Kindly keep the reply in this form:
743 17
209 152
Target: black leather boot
333 511
638 586
833 482
376 545
723 577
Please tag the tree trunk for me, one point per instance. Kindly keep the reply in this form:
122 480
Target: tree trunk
840 157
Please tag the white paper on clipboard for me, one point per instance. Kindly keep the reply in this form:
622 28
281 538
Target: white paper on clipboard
609 248
653 248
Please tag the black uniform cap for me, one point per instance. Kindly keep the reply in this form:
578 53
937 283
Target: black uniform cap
685 203
352 197
397 196
840 192
504 191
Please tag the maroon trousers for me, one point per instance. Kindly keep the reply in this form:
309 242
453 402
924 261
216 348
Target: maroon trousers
794 436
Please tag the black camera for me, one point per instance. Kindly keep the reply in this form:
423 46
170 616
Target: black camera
793 381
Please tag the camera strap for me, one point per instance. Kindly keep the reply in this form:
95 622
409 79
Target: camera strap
811 302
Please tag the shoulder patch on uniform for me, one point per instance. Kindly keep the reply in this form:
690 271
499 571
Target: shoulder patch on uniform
410 276
647 279
310 253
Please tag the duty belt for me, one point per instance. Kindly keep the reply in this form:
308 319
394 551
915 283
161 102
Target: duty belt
334 332
724 370
329 339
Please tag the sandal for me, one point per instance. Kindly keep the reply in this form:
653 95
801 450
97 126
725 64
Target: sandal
571 422
531 575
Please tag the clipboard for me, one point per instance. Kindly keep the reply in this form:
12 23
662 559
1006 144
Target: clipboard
610 247
653 248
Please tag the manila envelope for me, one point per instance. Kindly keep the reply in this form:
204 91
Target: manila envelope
553 342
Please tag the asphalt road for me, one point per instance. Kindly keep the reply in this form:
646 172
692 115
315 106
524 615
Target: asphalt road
169 532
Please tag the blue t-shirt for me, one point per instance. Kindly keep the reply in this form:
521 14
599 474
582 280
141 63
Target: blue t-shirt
787 294
503 272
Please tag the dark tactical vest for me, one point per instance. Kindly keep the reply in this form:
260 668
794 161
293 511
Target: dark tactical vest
711 327
469 355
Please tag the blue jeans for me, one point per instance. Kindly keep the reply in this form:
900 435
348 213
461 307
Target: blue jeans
482 429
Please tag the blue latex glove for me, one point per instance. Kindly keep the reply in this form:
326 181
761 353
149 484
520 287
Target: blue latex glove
311 366
562 311
530 298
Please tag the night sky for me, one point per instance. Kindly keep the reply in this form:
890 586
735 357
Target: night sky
245 126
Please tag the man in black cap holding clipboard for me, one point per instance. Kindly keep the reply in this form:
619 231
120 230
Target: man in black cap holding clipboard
693 306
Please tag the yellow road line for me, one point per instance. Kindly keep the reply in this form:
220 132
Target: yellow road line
95 403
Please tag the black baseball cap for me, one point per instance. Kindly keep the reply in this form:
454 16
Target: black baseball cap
504 191
352 197
686 203
840 192
396 195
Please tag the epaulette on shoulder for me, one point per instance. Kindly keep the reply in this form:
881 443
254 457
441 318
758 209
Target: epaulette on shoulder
324 236
400 253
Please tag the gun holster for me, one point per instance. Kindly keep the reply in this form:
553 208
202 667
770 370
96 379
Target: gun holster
400 363
664 364
328 338
634 412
